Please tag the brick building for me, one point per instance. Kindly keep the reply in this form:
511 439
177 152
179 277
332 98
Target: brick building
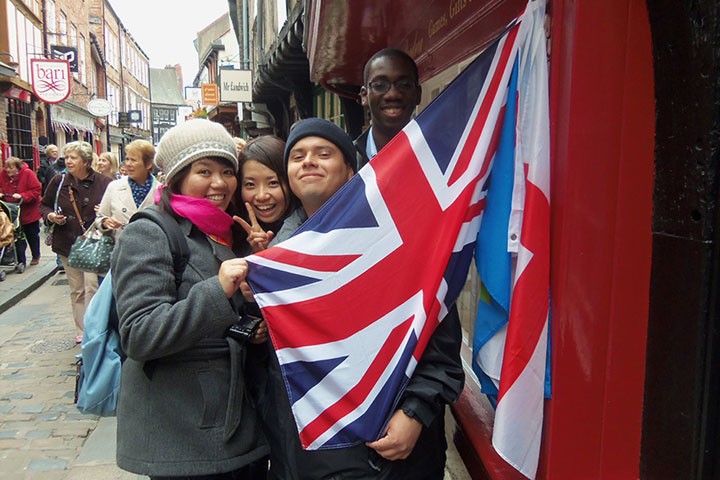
107 66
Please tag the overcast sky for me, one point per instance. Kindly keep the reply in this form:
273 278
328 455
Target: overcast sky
165 29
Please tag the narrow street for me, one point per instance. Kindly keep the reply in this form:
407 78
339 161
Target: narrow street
42 435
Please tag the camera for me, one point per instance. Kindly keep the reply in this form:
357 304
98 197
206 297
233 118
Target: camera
245 328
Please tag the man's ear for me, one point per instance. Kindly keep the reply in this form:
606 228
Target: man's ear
363 96
419 96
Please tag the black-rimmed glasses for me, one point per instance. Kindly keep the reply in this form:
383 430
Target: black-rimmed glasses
383 86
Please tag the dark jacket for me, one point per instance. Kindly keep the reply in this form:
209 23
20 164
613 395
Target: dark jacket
87 192
48 170
360 143
437 381
183 407
27 185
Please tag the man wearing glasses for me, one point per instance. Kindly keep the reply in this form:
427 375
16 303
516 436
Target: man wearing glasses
391 92
414 443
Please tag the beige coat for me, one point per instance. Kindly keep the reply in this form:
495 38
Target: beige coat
118 203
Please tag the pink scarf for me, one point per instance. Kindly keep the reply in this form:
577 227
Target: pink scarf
212 221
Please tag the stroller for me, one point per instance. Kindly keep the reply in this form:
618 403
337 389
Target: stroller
10 232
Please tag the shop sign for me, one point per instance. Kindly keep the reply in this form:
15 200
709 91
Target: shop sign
50 79
61 52
123 119
236 86
210 94
99 107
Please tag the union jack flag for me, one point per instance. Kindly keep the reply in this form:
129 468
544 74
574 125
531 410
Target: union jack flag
353 297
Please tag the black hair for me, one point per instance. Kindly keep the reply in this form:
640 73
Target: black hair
173 187
390 52
268 151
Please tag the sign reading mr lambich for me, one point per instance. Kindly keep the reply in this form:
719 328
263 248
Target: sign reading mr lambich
236 85
50 79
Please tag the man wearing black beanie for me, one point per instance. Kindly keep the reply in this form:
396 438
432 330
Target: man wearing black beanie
320 159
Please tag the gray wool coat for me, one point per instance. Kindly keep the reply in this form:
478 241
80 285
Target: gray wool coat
183 407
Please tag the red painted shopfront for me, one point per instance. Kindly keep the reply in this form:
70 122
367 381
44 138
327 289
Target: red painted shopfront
615 322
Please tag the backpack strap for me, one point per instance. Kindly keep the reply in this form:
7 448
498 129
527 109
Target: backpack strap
178 245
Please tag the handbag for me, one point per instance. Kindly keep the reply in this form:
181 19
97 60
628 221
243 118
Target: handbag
91 251
50 228
49 234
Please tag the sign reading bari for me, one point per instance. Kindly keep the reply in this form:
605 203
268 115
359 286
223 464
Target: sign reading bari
50 79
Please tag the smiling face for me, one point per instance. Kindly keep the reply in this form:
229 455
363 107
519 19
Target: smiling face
261 188
392 110
211 179
316 170
103 165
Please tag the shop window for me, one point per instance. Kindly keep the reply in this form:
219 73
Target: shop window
19 129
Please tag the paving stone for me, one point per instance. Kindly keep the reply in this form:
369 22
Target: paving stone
20 364
13 443
15 417
17 396
34 434
30 408
48 416
14 377
47 464
8 434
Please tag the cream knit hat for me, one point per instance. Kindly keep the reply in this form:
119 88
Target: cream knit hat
191 140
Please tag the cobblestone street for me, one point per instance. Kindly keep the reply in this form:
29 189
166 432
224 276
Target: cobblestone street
42 434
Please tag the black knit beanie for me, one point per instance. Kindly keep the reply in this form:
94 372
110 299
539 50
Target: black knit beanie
319 127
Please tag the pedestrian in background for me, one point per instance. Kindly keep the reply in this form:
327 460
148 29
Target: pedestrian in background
107 164
130 193
50 166
76 195
19 184
184 408
264 199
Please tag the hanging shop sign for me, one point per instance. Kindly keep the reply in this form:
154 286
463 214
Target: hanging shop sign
123 120
236 86
210 94
61 52
50 79
99 107
135 116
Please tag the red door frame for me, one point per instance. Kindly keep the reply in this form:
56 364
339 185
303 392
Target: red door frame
602 127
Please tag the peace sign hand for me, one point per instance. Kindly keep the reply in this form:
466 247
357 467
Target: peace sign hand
257 237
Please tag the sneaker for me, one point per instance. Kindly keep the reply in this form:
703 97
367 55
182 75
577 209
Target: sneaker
34 261
61 269
20 268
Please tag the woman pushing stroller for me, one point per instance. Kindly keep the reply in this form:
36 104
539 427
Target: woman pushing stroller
19 184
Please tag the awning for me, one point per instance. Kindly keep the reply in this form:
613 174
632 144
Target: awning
71 120
436 33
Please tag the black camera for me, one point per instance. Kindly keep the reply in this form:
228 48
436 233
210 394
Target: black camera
245 328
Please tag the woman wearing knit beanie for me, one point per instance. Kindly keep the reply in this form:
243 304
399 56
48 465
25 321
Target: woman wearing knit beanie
184 408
